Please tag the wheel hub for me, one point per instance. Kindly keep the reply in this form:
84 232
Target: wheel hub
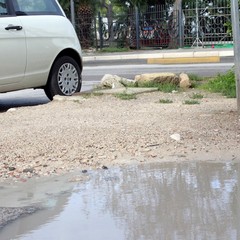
68 79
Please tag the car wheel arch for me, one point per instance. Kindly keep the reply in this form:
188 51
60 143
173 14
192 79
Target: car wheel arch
69 53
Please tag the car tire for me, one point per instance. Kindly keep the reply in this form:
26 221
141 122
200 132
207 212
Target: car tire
65 78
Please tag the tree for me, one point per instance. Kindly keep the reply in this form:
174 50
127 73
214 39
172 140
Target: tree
85 18
65 4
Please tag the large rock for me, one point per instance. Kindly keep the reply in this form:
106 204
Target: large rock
157 78
126 82
184 81
114 81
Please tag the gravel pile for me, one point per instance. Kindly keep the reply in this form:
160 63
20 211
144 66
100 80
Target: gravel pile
98 131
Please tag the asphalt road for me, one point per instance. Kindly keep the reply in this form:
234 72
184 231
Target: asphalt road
93 73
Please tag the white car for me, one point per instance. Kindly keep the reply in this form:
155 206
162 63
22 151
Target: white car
39 48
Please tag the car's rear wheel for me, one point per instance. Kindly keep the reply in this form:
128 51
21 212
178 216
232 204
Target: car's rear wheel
65 78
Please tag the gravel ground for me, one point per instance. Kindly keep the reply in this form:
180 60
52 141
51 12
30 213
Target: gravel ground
8 215
99 131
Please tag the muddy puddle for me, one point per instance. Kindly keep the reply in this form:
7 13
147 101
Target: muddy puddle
196 200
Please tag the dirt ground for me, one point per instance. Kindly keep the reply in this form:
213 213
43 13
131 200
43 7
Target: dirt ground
102 131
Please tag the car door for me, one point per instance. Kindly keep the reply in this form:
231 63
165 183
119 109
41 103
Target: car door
12 47
42 21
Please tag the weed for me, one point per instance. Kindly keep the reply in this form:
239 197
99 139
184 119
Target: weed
194 77
191 102
223 83
86 95
147 84
125 96
129 84
167 87
197 96
76 101
196 80
165 101
163 87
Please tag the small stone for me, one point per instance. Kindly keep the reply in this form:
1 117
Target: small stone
84 171
176 137
28 170
11 110
11 168
104 167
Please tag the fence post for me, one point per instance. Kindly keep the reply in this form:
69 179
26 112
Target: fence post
95 32
72 13
236 40
137 27
100 30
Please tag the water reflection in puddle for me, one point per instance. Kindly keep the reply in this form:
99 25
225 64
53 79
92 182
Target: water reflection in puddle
195 200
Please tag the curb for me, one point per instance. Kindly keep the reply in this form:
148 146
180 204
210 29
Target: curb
182 60
180 55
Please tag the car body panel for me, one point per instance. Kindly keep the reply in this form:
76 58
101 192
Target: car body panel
27 55
12 52
49 36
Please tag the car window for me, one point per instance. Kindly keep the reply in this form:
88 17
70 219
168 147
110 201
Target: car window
36 7
3 8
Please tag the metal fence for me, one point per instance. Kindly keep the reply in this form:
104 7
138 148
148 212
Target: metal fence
198 23
207 24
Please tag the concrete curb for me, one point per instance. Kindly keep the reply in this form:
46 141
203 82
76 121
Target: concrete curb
212 59
178 54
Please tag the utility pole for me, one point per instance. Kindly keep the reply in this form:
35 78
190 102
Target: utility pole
72 13
236 41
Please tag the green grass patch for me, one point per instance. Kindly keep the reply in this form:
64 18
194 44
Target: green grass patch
194 77
129 84
114 49
163 87
222 83
147 84
191 102
197 96
167 87
165 101
125 96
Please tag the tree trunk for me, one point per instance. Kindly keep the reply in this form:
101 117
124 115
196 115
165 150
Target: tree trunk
175 26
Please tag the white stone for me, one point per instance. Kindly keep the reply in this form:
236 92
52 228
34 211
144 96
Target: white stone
176 137
113 81
11 110
59 98
68 98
